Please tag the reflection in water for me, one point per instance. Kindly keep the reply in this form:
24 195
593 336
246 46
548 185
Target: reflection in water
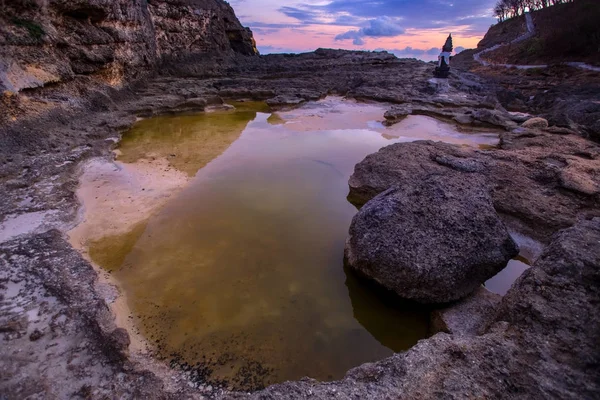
241 275
189 142
529 251
402 323
501 283
110 251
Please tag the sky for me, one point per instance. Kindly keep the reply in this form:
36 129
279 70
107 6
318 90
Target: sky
408 28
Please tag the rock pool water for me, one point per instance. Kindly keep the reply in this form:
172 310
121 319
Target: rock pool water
529 252
240 277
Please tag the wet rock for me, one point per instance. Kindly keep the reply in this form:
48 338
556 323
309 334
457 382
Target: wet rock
71 338
378 94
285 101
494 117
560 131
36 335
13 327
464 119
463 111
433 240
117 345
541 347
579 113
535 123
578 177
461 164
401 163
469 316
397 114
193 104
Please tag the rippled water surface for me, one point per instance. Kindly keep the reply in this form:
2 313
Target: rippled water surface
241 275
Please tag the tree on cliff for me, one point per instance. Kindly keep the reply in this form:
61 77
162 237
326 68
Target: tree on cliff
506 9
564 31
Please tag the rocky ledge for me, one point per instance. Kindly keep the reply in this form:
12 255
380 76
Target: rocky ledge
538 181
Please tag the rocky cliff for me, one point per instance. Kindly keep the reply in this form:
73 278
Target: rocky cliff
49 42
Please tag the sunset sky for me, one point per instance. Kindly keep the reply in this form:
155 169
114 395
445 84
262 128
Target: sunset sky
408 28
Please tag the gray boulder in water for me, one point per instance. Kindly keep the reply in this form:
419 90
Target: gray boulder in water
432 241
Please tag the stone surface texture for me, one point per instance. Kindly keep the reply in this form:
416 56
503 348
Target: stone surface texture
432 240
57 41
542 181
469 316
535 123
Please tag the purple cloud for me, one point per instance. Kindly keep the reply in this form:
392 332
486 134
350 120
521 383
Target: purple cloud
378 27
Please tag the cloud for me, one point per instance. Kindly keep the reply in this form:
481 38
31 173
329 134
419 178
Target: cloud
303 14
276 50
378 27
409 51
422 14
356 37
411 27
459 49
383 26
269 25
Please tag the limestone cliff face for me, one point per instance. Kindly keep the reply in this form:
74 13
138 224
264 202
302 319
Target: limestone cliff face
53 41
191 27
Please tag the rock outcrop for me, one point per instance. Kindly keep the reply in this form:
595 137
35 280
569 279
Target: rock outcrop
535 123
64 313
540 181
56 41
433 240
477 114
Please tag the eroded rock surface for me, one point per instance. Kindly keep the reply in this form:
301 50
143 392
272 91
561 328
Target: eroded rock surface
535 123
49 306
83 49
433 240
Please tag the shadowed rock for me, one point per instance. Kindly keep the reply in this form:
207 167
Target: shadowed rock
469 316
433 241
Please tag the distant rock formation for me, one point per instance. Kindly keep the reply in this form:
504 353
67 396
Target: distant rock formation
56 41
443 68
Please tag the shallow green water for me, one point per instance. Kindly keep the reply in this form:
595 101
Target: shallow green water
241 275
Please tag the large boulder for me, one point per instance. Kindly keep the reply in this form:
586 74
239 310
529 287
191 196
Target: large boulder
432 241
